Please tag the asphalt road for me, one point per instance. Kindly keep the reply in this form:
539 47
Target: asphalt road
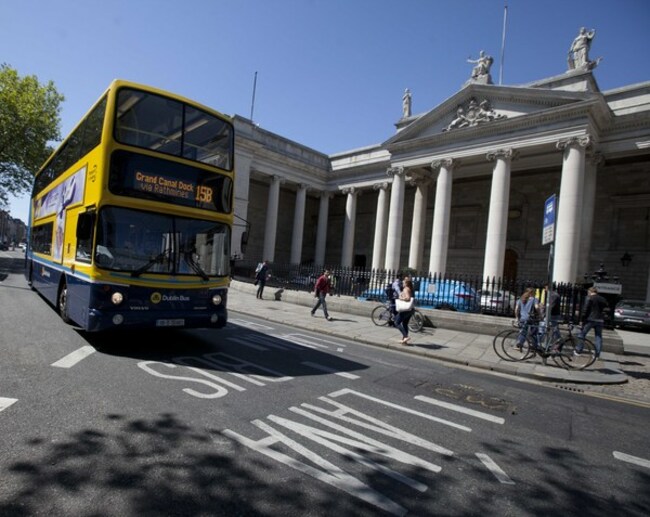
264 419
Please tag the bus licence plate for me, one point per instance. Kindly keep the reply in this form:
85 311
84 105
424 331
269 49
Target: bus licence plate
170 323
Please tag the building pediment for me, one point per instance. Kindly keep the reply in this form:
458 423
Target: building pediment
479 108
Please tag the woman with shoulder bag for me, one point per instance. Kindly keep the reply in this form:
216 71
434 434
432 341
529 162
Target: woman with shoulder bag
404 305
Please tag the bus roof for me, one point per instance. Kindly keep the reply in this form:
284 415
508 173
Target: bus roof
121 83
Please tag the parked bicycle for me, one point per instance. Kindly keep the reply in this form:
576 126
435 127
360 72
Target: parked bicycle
383 316
572 352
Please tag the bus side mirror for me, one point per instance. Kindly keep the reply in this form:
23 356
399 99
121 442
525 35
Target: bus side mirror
244 242
85 226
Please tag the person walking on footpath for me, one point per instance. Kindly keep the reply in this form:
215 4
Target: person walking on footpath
261 276
592 317
403 316
527 316
322 289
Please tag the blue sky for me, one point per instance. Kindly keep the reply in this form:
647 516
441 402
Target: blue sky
331 73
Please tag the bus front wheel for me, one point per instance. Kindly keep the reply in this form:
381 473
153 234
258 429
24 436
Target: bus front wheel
63 303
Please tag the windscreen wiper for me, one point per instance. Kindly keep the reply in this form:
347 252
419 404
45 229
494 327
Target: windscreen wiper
158 258
189 258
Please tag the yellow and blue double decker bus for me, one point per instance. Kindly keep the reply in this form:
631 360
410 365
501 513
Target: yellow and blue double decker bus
131 217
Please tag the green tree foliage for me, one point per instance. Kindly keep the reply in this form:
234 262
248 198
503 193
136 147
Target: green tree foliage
29 119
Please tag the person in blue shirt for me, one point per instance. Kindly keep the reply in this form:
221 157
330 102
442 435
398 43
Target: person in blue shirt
527 316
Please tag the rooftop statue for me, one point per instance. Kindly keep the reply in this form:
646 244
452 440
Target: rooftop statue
481 72
406 104
579 51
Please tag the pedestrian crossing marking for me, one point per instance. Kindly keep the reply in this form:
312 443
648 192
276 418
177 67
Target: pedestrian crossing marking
6 402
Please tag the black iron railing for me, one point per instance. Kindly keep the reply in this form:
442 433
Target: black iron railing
466 293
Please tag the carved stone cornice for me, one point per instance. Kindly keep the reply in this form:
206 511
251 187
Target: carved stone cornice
596 159
502 154
395 171
419 178
577 141
447 163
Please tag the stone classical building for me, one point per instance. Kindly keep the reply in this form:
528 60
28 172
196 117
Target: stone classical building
461 188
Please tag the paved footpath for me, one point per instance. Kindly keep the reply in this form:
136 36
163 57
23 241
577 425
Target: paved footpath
618 376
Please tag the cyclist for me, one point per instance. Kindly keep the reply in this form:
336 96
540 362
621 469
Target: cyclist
527 316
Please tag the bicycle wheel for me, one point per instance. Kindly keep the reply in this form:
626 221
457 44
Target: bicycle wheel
416 323
573 359
496 344
514 351
381 315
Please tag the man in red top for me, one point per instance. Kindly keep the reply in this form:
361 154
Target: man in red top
322 287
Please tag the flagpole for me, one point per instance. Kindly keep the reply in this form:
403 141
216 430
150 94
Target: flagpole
503 41
253 99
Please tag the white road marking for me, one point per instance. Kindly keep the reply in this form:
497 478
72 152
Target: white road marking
327 369
324 471
74 357
248 343
367 422
332 441
5 402
249 324
347 391
495 469
632 459
461 409
310 341
219 391
248 370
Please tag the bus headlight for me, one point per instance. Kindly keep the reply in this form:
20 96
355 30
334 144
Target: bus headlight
117 298
118 319
216 299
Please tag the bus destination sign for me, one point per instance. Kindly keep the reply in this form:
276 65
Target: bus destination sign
167 186
161 180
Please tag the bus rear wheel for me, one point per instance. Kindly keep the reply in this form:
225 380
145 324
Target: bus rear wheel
62 305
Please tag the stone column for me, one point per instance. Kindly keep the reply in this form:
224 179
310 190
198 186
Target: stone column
321 232
441 216
416 250
298 224
569 212
588 207
272 219
348 228
242 182
395 218
381 222
495 242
